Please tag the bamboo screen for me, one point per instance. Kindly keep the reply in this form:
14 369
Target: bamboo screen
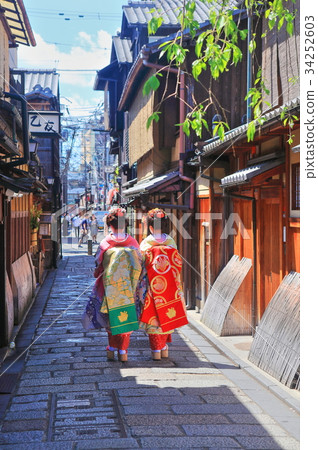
280 64
140 139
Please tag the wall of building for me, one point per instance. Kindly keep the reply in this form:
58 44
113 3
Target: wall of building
4 57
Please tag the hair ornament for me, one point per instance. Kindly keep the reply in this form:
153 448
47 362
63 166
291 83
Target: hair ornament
157 213
116 211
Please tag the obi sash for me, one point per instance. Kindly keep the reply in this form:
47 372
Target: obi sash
164 304
121 274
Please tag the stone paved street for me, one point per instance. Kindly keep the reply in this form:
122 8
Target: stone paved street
68 396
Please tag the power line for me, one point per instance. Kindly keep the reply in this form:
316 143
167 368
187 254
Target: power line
72 15
74 45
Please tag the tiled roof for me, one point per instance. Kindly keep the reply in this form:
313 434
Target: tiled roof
152 183
236 133
138 12
123 49
18 21
245 175
45 78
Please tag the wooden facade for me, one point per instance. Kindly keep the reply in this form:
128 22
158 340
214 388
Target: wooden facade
255 219
17 278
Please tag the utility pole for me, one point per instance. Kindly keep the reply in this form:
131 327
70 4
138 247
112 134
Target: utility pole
85 169
64 174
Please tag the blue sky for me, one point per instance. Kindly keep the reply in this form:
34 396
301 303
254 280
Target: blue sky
67 41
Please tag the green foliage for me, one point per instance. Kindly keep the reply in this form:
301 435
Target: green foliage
219 129
154 117
154 23
151 84
217 48
277 14
287 118
195 121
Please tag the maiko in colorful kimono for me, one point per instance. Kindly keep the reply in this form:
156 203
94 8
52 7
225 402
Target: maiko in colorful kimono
112 303
159 288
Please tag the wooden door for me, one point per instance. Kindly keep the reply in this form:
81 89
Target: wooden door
271 264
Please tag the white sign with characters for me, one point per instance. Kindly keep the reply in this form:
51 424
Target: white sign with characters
44 122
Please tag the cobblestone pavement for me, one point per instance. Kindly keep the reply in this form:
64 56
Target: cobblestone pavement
68 396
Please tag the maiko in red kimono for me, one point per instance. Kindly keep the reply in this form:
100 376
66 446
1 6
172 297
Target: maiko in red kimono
160 290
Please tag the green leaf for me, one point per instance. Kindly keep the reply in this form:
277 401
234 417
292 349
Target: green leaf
252 46
221 132
197 67
237 54
243 34
153 24
250 131
186 127
199 43
151 84
280 23
154 117
290 28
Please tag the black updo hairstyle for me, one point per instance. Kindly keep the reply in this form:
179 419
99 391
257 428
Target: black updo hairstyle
117 218
158 219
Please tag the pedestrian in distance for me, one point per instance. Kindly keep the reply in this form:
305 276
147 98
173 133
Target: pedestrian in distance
112 303
94 228
159 288
76 223
84 230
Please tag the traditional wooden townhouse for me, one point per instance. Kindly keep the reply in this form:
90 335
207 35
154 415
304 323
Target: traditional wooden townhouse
233 202
114 78
149 158
252 189
41 90
161 151
17 277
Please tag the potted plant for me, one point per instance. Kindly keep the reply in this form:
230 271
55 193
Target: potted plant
35 214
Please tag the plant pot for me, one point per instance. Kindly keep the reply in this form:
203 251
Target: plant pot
34 237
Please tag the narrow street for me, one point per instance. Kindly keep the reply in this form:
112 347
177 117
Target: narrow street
68 396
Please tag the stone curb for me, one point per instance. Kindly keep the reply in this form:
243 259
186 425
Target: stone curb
246 367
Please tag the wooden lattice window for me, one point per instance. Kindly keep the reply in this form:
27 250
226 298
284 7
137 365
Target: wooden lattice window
295 193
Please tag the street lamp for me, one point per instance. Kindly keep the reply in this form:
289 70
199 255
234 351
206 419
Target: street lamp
33 146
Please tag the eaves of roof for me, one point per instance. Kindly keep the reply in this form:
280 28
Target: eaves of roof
146 186
16 184
239 133
135 71
245 175
108 72
18 22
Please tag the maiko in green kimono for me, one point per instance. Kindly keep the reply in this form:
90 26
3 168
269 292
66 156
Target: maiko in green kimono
112 303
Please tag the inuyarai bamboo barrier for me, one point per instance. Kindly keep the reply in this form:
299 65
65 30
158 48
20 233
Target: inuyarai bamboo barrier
275 347
218 303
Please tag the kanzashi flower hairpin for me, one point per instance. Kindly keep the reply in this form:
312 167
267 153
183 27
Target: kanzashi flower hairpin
157 213
116 212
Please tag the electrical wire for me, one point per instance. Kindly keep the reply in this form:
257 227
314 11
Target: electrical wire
72 15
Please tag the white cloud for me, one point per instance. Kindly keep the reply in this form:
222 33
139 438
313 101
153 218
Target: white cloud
91 53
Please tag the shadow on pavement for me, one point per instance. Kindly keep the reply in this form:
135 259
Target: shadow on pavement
70 396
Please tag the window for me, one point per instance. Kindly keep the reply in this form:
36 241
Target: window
295 186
